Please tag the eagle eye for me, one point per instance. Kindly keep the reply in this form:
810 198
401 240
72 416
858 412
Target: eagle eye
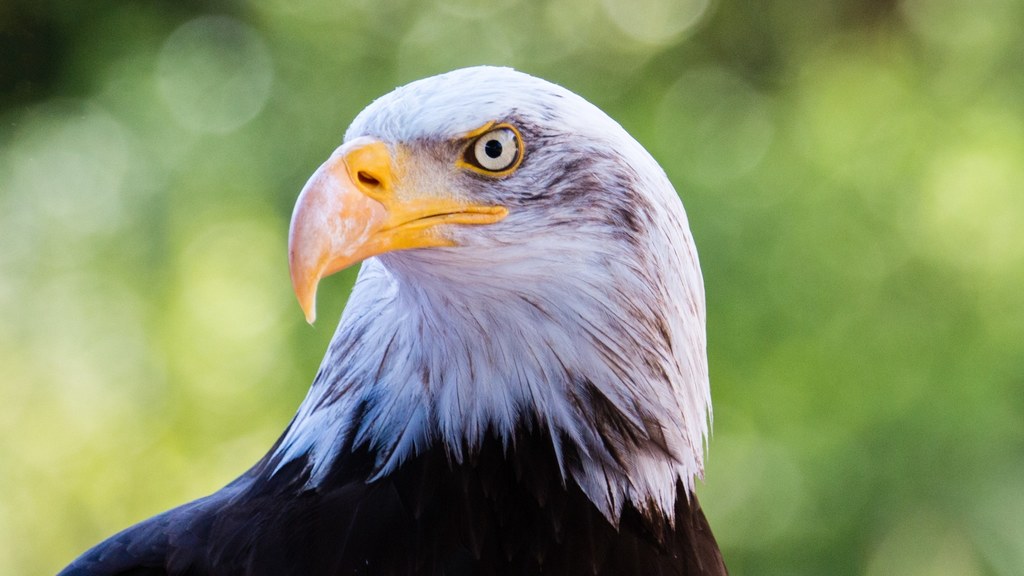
496 152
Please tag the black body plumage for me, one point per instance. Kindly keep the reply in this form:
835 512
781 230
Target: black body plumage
503 510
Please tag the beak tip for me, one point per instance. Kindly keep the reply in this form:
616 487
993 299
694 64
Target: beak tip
307 301
305 293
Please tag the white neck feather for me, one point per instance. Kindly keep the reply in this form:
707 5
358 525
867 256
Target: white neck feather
434 347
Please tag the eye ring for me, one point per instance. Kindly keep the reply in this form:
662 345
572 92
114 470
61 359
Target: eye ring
497 151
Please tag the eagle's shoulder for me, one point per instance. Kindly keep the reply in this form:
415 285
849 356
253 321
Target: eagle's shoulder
503 509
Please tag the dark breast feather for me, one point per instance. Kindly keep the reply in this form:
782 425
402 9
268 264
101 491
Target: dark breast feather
502 511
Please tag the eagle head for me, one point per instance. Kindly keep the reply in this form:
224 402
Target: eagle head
525 262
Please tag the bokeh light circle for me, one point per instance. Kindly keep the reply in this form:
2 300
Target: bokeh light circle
68 168
214 73
655 21
715 126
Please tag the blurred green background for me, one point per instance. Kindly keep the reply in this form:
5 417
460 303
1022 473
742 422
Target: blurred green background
853 172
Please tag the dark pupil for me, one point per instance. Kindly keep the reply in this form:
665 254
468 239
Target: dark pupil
492 149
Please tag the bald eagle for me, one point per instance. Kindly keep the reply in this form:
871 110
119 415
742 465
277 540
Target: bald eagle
518 384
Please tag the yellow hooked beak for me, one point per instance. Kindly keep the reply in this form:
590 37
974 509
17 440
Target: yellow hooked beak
355 206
